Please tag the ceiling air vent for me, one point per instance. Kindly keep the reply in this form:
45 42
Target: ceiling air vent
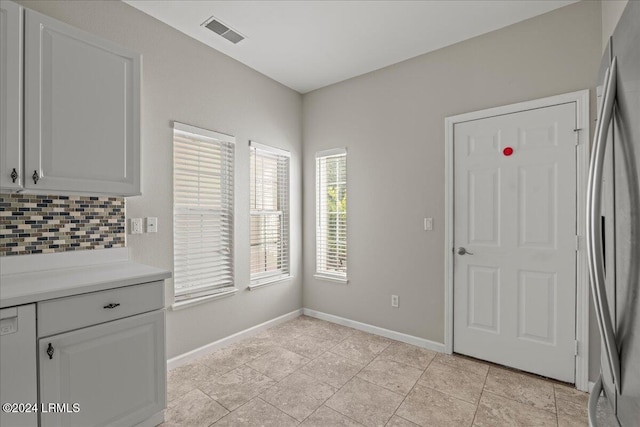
223 30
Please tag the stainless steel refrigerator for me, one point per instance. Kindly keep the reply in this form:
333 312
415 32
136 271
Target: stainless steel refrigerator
613 221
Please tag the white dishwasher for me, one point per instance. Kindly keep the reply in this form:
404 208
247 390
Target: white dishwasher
18 367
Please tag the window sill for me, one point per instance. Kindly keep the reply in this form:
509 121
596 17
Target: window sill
335 279
179 305
268 282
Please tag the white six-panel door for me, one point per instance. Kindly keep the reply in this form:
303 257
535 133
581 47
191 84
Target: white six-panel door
515 215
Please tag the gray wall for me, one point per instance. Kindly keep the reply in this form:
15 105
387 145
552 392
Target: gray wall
392 123
611 11
187 81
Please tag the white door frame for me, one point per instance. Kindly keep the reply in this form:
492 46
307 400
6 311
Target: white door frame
581 98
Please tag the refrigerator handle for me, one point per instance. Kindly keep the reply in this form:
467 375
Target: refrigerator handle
593 402
594 225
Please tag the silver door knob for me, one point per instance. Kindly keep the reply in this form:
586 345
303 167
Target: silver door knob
463 251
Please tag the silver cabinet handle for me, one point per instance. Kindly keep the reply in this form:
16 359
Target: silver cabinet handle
594 226
593 402
463 251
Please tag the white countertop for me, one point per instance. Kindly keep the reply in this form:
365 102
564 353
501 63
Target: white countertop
32 278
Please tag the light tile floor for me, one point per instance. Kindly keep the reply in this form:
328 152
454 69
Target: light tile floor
313 373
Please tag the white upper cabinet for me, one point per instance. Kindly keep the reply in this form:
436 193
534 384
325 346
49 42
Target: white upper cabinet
77 100
82 111
11 176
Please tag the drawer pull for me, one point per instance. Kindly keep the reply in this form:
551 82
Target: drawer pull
110 306
50 351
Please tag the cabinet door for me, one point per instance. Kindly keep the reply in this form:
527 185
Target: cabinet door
10 95
18 367
115 372
82 105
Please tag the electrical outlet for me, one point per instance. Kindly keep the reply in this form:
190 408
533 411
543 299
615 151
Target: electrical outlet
394 301
135 226
428 224
152 224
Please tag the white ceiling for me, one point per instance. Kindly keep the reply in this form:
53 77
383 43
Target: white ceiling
306 45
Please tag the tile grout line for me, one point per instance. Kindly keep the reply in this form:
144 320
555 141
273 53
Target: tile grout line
412 388
255 370
523 403
448 393
314 379
484 384
377 385
555 402
230 412
348 333
276 408
322 382
245 364
520 403
276 384
355 375
462 358
347 336
530 376
334 393
350 379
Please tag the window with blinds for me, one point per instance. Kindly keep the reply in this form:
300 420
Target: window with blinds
331 214
202 212
269 204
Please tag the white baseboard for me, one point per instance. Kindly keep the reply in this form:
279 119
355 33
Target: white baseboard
185 358
398 336
153 421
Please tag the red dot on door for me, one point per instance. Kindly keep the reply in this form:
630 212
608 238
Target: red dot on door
507 151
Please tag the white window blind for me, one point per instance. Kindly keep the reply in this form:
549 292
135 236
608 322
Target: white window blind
269 204
202 212
331 214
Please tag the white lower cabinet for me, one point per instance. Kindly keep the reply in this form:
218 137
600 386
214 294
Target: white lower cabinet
18 376
111 374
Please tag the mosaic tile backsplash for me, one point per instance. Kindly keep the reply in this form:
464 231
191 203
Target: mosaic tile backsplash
34 224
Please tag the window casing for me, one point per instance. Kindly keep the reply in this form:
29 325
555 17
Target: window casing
269 205
331 214
202 212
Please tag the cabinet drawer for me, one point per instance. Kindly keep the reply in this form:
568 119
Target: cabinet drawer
65 314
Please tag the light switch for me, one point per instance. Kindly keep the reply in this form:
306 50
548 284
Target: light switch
135 226
152 224
428 224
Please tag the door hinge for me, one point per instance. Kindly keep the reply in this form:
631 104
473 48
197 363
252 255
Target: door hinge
577 132
575 350
577 243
